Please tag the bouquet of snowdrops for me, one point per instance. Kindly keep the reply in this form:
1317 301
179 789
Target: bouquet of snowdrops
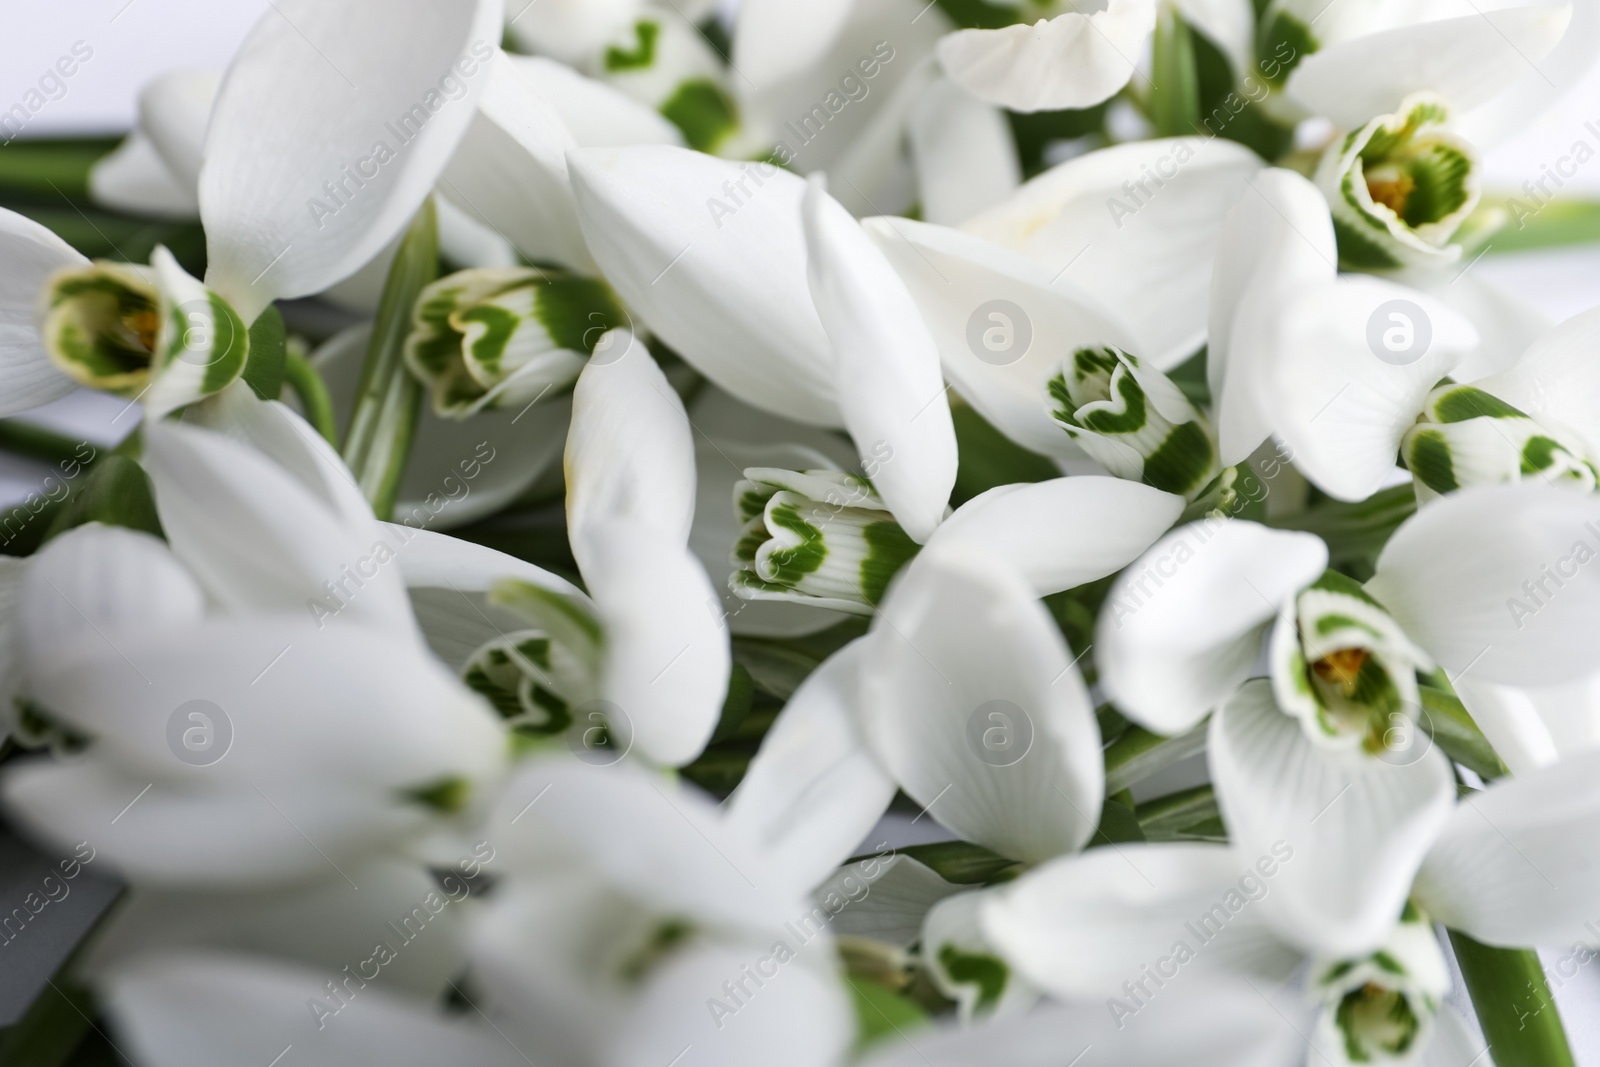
814 532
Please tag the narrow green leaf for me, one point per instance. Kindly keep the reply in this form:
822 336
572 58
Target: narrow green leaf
775 670
1513 1003
989 458
961 862
35 442
1175 88
389 399
263 368
1554 224
1451 726
741 694
1174 817
1118 825
1138 753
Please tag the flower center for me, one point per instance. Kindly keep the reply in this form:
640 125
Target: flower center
1393 192
1374 1018
1342 668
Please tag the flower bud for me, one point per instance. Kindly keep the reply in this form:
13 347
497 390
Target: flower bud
1134 421
506 336
1466 436
819 537
1400 187
1381 1009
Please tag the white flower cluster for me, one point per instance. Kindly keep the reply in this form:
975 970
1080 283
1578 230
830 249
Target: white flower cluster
1070 440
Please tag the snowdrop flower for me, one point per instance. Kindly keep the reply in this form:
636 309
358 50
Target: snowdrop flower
1342 662
506 337
1400 186
192 669
1134 421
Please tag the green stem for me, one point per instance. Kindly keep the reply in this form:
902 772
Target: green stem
312 393
52 169
35 442
1514 1005
1175 92
389 399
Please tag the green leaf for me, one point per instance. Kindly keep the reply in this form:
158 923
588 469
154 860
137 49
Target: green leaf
263 367
736 708
1177 816
51 169
116 492
1555 224
1118 824
389 398
1355 533
882 1013
1451 726
1138 753
961 862
54 1025
978 15
1175 85
35 442
774 669
1513 1003
989 458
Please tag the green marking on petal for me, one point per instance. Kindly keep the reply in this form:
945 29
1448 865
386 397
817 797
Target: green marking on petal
1183 462
705 113
1428 457
643 53
1463 402
577 312
448 796
659 945
788 565
989 973
889 549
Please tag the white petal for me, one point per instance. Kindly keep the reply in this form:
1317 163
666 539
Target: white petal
1182 627
1001 328
779 41
973 704
1493 580
510 171
598 115
667 655
1070 61
325 923
511 449
258 540
1356 828
1554 380
96 579
199 1010
466 242
1517 864
1507 324
1467 60
31 254
570 30
1336 399
813 790
886 366
288 440
664 845
174 108
1534 726
630 453
1227 1023
965 154
801 1018
314 90
953 925
899 891
717 272
135 180
1082 925
1136 226
1455 1041
1277 242
1064 532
